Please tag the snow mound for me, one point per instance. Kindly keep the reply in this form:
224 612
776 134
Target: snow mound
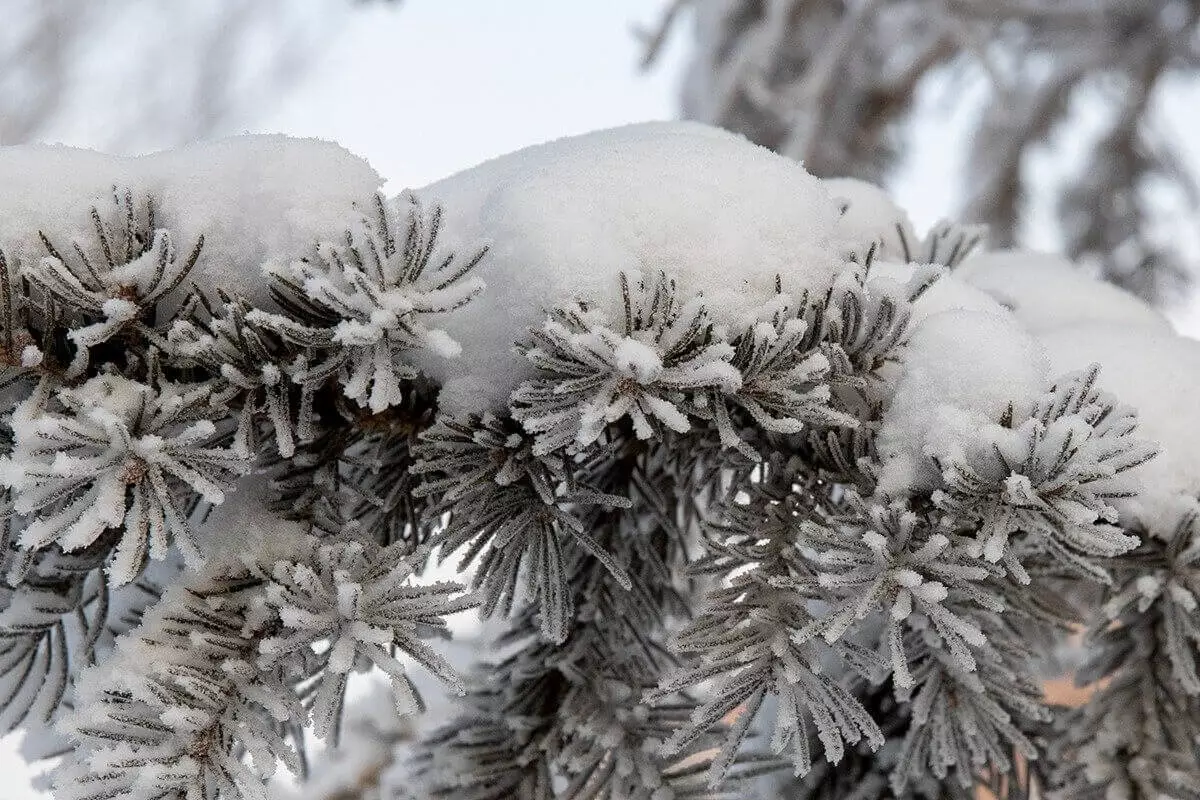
869 215
948 293
1046 291
1158 374
961 369
256 199
720 215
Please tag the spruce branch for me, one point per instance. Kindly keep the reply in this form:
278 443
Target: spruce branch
514 511
747 637
679 520
1050 471
359 306
21 351
354 486
863 329
1138 735
510 738
895 560
784 385
51 622
114 283
650 367
969 725
253 363
197 702
116 453
360 600
608 751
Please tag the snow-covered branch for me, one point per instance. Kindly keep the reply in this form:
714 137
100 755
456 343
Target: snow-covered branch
743 471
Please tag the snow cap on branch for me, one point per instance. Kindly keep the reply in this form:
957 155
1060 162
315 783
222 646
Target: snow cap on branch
254 199
1046 292
961 369
720 216
868 216
1159 375
946 291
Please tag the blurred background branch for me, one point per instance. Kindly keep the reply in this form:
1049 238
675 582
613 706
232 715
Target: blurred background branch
140 75
835 84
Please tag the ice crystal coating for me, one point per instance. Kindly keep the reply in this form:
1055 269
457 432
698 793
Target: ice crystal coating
744 473
115 454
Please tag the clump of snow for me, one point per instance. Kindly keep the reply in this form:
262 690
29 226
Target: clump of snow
947 293
244 522
1047 291
718 214
1158 374
869 215
961 370
255 199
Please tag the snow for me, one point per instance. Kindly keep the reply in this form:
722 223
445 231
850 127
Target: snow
960 371
869 215
563 220
719 215
256 199
1158 374
244 522
1047 291
947 293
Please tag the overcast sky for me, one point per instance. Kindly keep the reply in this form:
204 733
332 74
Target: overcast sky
436 86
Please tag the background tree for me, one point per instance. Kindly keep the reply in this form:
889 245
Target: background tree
834 83
214 66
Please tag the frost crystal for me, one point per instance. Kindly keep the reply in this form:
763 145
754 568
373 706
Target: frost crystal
369 300
754 505
117 454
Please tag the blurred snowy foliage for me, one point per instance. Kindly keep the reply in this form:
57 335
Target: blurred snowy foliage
835 83
136 75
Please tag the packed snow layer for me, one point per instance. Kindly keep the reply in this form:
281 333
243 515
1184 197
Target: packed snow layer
869 215
243 521
720 215
961 370
256 199
1158 374
1046 291
948 292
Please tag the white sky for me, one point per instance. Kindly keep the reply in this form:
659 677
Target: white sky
436 86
